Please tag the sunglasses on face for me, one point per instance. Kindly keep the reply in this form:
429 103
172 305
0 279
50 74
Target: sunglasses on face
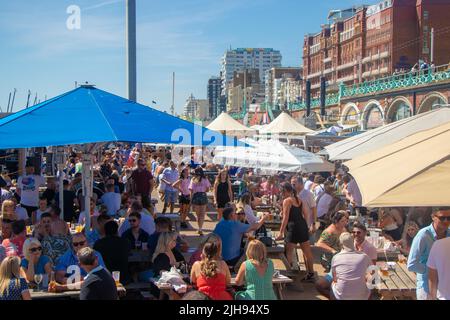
443 218
132 220
33 250
7 221
77 244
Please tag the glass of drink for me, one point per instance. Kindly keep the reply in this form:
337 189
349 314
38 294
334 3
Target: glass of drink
401 258
38 280
138 244
116 276
385 270
29 231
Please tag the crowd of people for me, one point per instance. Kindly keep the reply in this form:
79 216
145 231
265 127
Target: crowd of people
315 210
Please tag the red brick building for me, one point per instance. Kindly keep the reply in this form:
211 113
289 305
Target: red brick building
368 42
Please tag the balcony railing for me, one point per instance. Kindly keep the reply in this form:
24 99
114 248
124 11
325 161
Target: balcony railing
398 81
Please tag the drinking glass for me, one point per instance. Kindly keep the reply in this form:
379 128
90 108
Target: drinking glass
138 244
38 280
116 276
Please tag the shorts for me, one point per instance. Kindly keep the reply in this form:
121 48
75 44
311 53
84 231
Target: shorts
329 277
200 199
421 294
170 196
184 199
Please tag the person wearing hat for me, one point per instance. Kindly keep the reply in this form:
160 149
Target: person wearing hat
28 189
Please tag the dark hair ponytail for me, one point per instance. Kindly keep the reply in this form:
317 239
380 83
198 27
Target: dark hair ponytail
287 187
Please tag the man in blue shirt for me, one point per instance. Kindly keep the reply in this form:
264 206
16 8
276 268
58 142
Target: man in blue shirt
421 246
231 231
68 265
170 176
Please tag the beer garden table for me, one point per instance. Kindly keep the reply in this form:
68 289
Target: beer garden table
399 283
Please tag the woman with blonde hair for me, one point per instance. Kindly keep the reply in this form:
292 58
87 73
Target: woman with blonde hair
211 275
8 210
12 286
163 259
256 273
223 192
40 264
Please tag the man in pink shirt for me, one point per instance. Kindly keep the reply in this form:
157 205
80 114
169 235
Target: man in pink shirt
359 232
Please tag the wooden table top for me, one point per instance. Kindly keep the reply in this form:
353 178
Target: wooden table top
399 279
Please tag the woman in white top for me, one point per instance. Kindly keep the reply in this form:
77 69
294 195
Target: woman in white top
36 216
245 205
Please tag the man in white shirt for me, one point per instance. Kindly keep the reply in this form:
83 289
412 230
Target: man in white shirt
325 199
28 189
354 195
309 182
111 200
439 269
359 233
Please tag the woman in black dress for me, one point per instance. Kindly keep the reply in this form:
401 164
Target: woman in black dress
223 192
294 228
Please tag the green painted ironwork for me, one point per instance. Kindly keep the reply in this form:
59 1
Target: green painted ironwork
399 81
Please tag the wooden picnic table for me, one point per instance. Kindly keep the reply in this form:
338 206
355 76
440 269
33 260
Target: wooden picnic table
175 218
139 256
278 283
400 283
75 294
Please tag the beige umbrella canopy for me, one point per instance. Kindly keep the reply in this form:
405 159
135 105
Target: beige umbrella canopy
371 140
412 172
225 123
285 124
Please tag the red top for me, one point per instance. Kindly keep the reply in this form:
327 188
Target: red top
142 179
14 245
215 288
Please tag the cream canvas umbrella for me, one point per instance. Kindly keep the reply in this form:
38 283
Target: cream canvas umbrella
225 123
272 155
412 172
377 138
285 124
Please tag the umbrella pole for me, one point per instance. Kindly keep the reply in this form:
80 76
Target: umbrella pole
87 187
60 162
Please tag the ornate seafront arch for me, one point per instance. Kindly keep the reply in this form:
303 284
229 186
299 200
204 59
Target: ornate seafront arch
431 101
400 108
372 115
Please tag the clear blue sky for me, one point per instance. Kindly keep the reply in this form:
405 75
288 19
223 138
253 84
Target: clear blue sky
189 37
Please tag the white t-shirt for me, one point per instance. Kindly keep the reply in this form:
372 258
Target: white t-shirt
309 203
308 185
21 213
439 259
249 215
324 204
369 249
112 201
147 224
39 214
318 190
350 269
353 189
29 185
82 217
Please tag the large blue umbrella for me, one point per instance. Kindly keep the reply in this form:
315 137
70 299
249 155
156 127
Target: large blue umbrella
90 115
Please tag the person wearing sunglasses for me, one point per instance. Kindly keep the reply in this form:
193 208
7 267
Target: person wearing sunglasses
34 262
142 181
135 235
359 233
421 247
65 265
